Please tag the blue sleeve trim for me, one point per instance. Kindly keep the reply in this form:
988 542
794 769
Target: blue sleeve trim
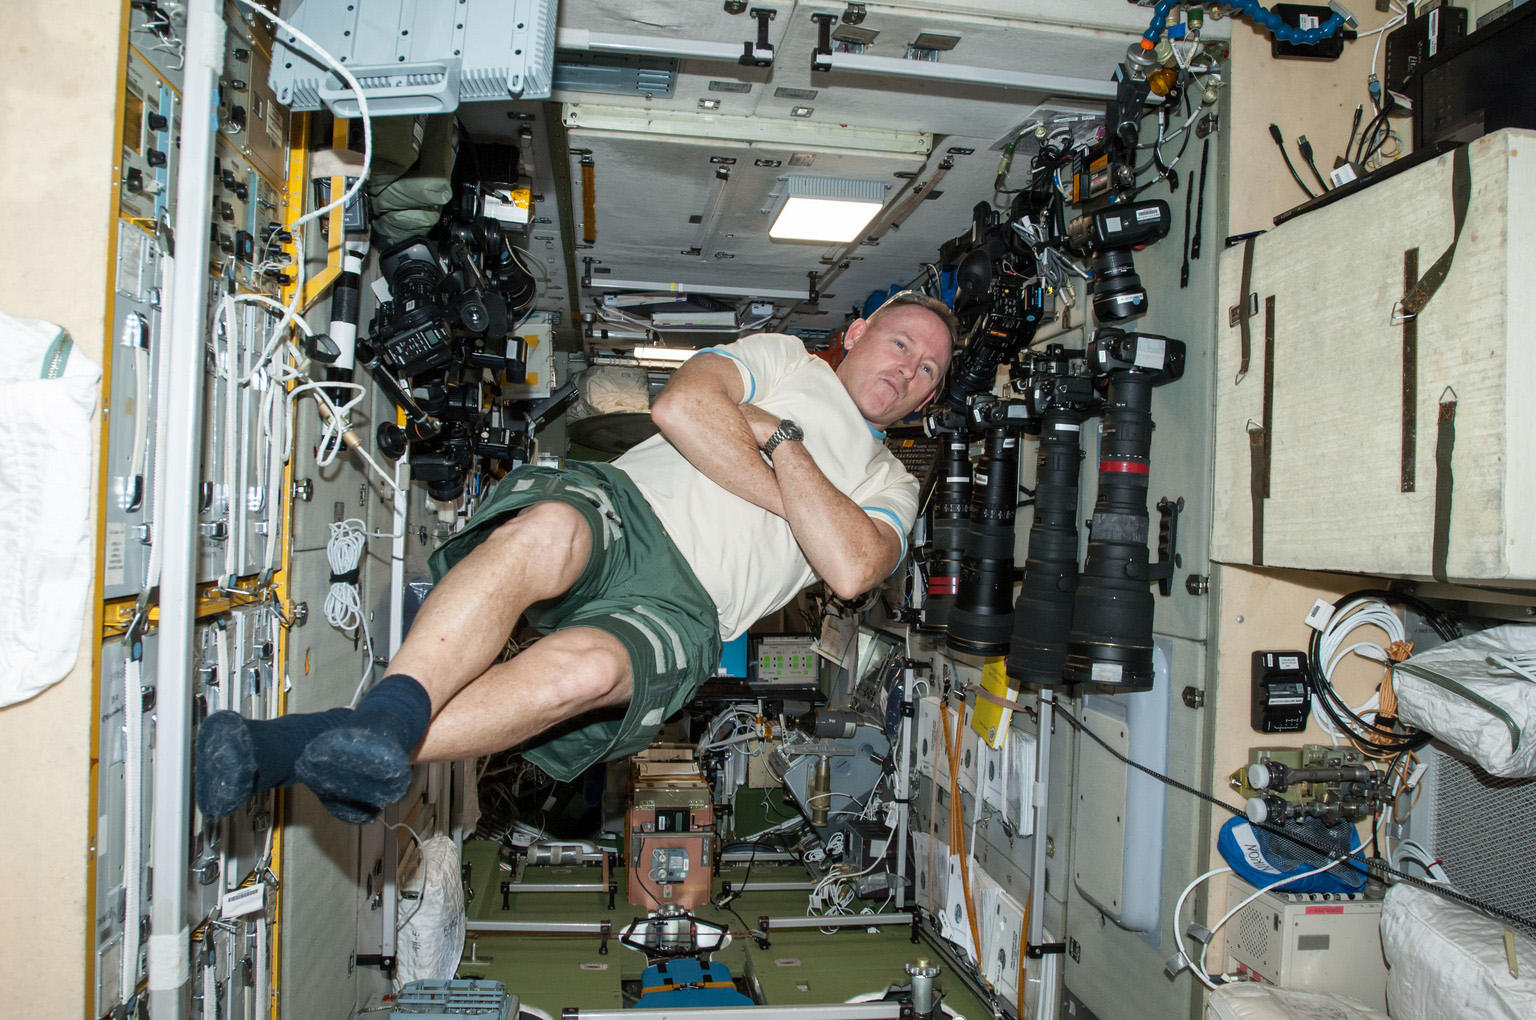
751 379
890 515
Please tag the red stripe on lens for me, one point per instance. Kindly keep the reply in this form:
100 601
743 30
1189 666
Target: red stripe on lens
943 585
1128 466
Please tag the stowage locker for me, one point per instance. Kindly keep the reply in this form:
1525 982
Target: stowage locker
1378 419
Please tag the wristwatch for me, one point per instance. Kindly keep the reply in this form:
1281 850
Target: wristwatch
787 430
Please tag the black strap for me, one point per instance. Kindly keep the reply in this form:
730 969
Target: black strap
1258 485
1419 294
1242 310
1267 416
1194 242
346 577
1410 441
1445 444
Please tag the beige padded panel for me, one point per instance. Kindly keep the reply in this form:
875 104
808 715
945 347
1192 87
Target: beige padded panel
1336 274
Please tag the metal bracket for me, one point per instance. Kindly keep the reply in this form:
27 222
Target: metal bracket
1168 558
824 23
386 964
759 54
1045 949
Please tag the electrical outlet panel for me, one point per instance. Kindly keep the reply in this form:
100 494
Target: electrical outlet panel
151 150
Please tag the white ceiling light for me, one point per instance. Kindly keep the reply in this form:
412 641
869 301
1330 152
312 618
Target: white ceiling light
825 209
677 355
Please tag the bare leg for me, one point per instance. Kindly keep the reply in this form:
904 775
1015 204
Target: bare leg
465 622
558 677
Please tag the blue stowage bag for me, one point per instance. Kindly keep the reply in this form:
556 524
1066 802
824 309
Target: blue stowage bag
1261 858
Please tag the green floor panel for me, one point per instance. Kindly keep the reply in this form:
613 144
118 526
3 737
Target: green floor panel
797 968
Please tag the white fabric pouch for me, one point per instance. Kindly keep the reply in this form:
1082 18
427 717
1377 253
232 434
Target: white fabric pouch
1448 961
1462 694
48 390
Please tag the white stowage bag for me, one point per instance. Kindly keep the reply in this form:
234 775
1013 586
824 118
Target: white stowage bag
48 389
1446 961
432 939
605 389
1463 724
1249 1000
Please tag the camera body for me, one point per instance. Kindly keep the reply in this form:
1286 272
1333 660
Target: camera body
1107 238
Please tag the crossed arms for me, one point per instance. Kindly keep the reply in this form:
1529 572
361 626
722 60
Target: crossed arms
701 414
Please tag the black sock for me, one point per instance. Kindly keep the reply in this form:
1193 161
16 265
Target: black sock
279 742
359 768
397 706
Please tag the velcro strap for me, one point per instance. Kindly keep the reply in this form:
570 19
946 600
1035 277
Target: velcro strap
1461 193
1258 485
1409 458
1242 311
1445 445
350 577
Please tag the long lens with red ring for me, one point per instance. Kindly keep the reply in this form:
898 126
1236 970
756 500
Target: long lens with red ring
1110 647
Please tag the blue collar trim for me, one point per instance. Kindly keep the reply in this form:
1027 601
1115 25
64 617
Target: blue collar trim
874 431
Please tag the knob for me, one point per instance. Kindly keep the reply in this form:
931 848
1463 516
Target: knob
154 157
1256 810
134 180
156 121
1259 776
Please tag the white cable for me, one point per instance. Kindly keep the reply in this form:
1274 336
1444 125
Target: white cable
1178 932
343 602
1332 649
1409 851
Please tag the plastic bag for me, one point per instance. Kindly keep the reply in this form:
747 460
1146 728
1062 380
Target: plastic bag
432 938
48 389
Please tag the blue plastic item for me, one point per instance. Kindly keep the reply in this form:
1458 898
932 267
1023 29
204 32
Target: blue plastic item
1261 858
688 984
733 659
1261 14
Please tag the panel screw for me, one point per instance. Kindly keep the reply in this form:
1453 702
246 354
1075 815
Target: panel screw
1197 584
1194 697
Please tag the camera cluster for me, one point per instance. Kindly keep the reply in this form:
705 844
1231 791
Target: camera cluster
440 345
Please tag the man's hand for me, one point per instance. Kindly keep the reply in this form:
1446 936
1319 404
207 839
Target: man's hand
763 423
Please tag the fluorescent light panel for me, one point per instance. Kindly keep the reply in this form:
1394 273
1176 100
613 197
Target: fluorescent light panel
677 354
826 209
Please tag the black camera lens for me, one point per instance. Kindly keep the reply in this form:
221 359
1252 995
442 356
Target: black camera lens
1117 290
1043 615
982 618
951 512
1110 648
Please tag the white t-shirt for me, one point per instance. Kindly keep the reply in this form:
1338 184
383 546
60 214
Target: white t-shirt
745 557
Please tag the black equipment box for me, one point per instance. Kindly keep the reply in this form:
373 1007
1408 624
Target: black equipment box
1478 85
1425 34
1282 698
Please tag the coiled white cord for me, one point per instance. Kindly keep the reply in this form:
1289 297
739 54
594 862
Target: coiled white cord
1332 650
343 602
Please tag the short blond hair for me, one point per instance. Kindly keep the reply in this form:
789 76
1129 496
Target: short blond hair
921 300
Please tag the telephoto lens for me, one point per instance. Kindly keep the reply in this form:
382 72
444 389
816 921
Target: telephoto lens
1110 648
1117 290
1043 615
951 512
982 618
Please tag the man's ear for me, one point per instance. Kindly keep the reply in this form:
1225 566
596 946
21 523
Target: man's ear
854 331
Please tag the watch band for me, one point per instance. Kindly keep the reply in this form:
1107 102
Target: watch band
787 431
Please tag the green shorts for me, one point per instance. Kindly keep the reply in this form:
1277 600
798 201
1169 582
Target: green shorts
636 586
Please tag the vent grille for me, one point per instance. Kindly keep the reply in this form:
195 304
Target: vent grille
1485 835
1253 932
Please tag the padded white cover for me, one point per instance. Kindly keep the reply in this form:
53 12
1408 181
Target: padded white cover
1463 724
1249 1000
608 388
1448 961
432 937
45 505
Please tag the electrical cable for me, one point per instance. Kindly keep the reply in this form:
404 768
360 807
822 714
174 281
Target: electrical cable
1294 838
343 601
1274 132
1305 148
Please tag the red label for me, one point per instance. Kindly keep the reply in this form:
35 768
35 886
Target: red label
1129 466
943 585
1325 910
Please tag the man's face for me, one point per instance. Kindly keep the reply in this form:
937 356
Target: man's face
894 365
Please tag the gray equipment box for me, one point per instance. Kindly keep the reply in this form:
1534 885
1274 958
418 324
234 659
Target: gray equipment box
448 1000
417 56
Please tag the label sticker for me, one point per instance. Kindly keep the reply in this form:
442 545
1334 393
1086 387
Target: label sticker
1290 662
1105 673
1150 351
1149 213
1319 615
115 564
245 900
1248 843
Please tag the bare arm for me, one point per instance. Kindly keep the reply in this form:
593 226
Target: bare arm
701 414
847 548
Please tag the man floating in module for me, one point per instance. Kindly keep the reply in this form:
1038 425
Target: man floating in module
769 472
